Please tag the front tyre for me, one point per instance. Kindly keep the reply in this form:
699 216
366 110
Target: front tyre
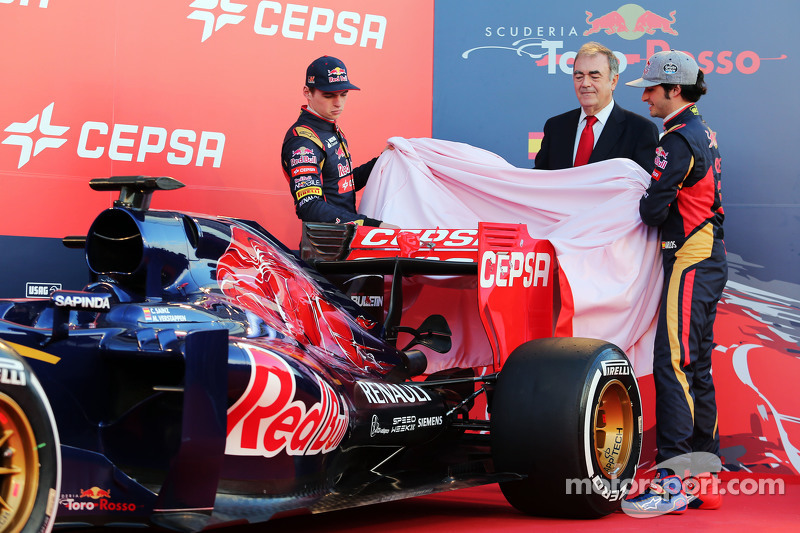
566 415
30 459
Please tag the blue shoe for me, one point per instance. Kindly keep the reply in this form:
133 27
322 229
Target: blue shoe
664 496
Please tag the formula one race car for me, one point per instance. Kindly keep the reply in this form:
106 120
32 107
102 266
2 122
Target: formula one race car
208 375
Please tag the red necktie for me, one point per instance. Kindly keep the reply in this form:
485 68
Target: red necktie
586 143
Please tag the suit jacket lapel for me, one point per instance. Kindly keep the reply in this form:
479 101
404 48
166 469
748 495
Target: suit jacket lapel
612 132
566 149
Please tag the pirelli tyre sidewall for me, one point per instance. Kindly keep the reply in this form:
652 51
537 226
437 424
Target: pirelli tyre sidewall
30 448
566 415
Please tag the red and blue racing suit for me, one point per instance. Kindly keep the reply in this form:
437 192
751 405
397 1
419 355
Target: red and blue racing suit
316 162
684 200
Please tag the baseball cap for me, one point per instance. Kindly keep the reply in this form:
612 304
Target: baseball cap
328 74
668 66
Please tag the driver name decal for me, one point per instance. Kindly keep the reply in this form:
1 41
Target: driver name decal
269 419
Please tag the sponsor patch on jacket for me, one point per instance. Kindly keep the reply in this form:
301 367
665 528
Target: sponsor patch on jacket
302 151
303 159
307 199
304 181
712 138
346 185
308 133
661 158
344 169
656 175
302 193
297 171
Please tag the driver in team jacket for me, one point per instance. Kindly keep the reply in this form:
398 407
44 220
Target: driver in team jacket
315 157
684 200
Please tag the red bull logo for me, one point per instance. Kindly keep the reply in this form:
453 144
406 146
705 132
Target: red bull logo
610 23
712 138
630 22
661 158
338 71
648 22
302 151
269 418
95 493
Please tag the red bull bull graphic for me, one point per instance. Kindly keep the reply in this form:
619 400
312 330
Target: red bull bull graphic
648 22
630 22
303 151
610 23
265 282
95 493
337 74
661 158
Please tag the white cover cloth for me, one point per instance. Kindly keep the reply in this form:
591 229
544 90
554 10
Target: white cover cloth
590 214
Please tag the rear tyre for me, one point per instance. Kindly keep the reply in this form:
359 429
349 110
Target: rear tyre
567 416
30 459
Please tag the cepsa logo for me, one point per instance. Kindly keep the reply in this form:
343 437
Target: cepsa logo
42 3
269 419
460 245
502 269
292 21
118 142
630 22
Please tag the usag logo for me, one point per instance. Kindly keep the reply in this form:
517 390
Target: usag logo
41 290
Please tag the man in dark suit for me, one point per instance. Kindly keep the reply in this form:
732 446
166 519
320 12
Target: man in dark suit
615 132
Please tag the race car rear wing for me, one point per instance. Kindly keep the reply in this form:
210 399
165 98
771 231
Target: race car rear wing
519 292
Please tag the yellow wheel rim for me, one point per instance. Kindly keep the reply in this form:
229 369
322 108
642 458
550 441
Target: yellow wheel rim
613 429
19 466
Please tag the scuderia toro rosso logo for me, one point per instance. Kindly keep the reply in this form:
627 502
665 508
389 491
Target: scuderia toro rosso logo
554 46
94 499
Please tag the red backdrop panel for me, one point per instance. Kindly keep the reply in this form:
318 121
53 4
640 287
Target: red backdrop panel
201 90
